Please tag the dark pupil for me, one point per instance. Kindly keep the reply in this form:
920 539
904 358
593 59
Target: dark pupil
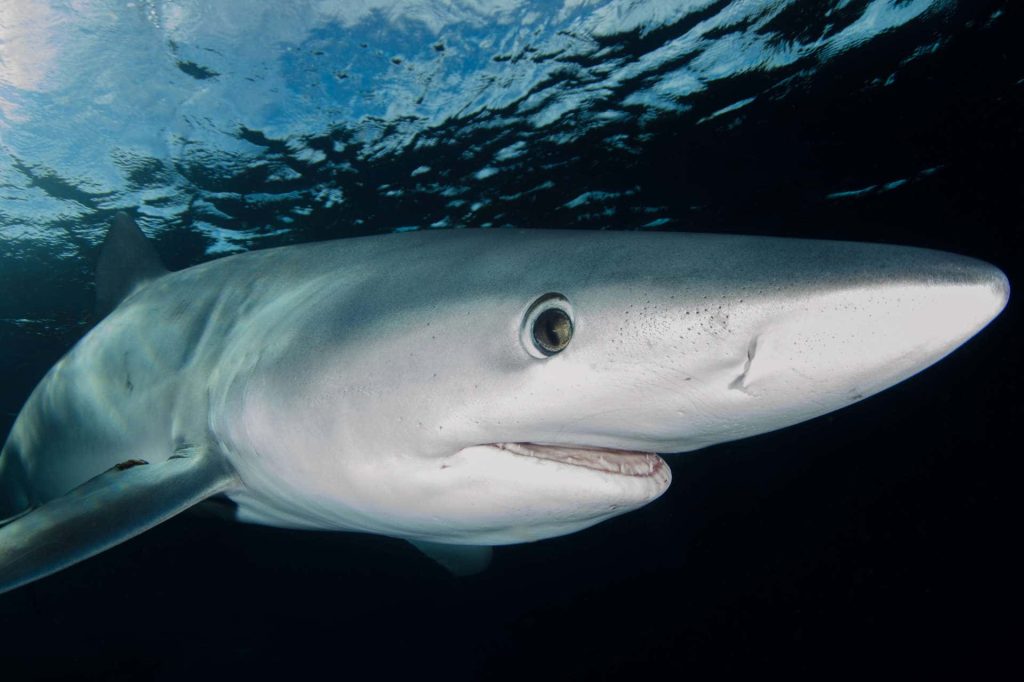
552 330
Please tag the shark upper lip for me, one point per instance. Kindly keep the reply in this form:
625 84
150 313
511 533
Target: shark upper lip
622 462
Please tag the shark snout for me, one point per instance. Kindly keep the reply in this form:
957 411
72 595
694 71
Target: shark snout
834 346
757 337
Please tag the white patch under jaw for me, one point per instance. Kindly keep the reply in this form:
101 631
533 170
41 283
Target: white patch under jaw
624 462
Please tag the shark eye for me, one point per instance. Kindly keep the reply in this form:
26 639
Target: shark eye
552 330
547 327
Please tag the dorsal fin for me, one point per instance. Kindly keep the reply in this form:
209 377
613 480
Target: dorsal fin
127 259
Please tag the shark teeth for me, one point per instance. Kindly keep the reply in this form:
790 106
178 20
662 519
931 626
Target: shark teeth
624 462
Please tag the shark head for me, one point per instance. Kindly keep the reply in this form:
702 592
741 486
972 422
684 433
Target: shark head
493 387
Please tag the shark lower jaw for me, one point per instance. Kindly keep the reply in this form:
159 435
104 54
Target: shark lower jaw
606 460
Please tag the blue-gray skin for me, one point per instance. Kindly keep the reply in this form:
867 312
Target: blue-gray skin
457 388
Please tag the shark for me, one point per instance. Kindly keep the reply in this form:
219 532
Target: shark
458 389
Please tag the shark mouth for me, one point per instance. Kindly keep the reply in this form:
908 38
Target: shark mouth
623 462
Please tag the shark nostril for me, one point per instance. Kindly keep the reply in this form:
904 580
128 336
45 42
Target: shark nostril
751 350
737 383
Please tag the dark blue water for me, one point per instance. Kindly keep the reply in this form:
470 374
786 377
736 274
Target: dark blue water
879 538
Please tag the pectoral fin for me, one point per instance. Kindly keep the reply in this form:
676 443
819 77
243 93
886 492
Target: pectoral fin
459 559
116 505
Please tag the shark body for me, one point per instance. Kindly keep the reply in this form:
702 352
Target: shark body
458 389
